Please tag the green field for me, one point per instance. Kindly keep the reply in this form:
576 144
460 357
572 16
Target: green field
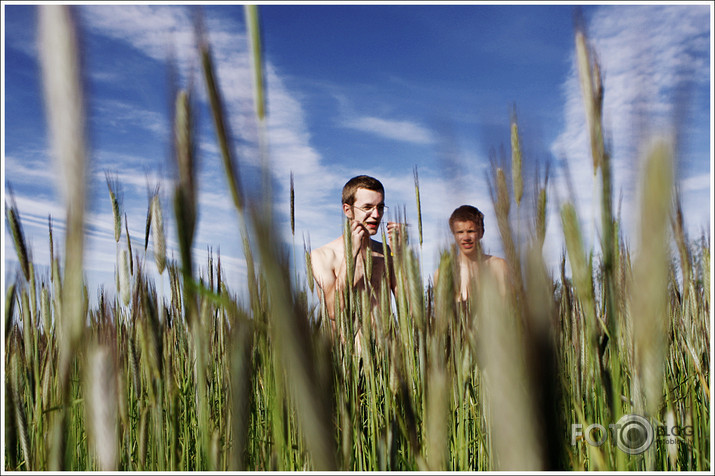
205 380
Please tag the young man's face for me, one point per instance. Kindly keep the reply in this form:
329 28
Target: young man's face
467 235
368 209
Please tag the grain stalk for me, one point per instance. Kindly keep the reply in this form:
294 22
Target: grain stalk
592 91
102 406
650 274
65 116
129 246
115 197
157 235
18 237
516 175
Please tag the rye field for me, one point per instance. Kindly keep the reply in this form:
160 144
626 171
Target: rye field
602 365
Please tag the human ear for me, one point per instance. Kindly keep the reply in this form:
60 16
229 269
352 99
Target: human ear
348 210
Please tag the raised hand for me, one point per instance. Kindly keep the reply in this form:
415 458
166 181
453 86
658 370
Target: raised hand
360 236
395 233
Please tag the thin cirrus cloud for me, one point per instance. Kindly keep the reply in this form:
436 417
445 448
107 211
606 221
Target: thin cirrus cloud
653 59
28 168
400 130
122 117
696 183
149 30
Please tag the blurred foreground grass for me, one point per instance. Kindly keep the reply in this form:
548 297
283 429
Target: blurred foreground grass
203 381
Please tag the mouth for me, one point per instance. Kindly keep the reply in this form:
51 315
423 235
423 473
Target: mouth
371 226
467 245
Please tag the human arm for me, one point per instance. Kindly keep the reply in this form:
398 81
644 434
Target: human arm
323 264
356 256
500 270
330 266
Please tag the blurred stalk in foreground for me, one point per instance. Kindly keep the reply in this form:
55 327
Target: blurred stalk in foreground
650 274
589 69
59 55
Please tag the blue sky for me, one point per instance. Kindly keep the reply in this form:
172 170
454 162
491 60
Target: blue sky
353 89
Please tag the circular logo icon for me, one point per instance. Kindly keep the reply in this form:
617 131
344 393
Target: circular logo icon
634 435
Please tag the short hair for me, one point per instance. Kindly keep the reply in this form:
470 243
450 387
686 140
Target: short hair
361 181
466 213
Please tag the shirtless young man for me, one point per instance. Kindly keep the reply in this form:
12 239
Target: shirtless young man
364 206
467 226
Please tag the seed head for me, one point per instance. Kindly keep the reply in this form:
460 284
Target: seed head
419 204
115 197
541 217
292 205
124 287
502 195
18 237
158 234
589 72
517 181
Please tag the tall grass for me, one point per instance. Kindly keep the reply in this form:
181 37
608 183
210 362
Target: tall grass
199 380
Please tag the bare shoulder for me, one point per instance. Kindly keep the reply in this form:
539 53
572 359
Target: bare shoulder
327 257
497 265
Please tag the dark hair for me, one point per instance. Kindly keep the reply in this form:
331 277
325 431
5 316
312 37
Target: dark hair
466 213
361 181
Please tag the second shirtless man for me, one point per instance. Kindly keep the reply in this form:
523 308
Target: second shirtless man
467 226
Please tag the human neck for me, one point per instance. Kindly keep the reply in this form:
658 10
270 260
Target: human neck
475 257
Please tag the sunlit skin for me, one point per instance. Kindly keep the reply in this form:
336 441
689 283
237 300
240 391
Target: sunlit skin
467 236
329 264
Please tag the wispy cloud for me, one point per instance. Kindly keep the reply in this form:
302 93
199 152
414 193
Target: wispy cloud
151 30
29 168
696 183
156 30
124 117
406 131
652 57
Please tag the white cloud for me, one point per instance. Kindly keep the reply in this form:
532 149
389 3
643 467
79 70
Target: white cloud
405 131
649 54
28 169
150 30
155 30
696 183
120 116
